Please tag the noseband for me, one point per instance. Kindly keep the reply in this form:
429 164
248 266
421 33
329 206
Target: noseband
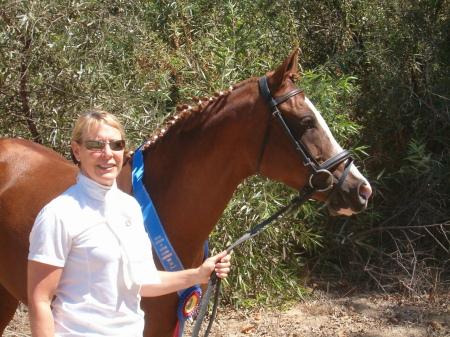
320 177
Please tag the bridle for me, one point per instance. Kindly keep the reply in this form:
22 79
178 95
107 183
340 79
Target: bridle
320 179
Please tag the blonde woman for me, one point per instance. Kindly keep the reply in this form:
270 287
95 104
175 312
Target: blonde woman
90 259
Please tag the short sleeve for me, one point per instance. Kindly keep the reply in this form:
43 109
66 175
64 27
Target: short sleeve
49 239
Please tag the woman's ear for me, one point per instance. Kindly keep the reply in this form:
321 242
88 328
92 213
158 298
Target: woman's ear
75 152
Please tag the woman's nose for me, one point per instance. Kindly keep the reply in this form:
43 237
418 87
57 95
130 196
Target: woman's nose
106 152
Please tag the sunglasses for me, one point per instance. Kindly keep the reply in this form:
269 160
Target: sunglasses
99 145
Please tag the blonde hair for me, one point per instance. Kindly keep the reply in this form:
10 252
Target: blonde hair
93 119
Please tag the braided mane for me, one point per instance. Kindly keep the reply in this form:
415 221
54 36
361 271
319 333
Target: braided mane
198 113
201 111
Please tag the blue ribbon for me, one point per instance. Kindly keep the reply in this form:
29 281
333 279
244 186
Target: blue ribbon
166 253
155 230
189 302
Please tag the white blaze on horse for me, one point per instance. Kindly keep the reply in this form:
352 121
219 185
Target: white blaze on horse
193 170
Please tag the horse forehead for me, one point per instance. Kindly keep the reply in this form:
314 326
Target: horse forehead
333 144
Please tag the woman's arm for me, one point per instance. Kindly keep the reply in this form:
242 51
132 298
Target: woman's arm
174 281
42 280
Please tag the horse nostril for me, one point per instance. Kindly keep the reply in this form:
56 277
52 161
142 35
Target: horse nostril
364 192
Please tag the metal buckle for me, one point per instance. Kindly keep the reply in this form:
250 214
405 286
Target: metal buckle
314 178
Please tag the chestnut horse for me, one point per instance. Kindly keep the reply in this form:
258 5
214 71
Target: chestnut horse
191 172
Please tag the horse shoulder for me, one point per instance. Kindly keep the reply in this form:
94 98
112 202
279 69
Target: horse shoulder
31 175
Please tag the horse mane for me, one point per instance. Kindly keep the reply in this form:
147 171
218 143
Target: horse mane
190 116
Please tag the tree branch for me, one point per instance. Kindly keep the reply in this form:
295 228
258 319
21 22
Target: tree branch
378 229
24 94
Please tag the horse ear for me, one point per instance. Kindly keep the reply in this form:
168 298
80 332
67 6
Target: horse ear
289 67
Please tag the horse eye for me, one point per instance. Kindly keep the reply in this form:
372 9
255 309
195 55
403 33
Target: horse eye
307 122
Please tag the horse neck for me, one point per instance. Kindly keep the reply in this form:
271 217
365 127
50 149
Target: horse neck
193 173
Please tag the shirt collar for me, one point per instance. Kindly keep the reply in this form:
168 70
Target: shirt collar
93 189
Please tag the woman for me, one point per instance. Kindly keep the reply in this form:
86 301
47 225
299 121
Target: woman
90 258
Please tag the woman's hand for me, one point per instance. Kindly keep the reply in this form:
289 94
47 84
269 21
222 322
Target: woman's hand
177 280
220 264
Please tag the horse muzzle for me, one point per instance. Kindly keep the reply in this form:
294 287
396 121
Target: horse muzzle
352 197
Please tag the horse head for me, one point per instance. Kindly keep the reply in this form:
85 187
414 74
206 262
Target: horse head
322 161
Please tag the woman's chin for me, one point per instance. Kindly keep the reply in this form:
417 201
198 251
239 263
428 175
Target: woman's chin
106 177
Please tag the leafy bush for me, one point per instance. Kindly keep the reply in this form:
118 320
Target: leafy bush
379 72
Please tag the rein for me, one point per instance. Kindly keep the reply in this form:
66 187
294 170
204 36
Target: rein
320 179
215 282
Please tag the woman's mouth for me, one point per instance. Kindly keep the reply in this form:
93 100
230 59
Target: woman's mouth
106 166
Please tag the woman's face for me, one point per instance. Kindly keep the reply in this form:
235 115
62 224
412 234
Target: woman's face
102 166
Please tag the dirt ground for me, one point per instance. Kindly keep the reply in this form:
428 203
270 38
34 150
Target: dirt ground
324 314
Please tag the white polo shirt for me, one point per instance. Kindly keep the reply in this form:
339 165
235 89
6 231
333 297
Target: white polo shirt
96 234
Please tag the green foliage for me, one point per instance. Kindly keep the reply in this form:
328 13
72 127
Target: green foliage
378 71
265 271
62 60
